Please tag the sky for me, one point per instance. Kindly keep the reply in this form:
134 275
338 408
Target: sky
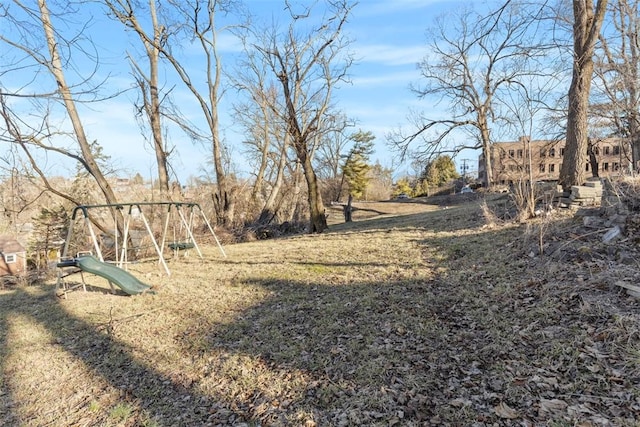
388 41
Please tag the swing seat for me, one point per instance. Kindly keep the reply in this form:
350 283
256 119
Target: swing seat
180 246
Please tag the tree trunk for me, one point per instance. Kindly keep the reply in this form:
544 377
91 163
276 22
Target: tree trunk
226 206
65 93
348 210
486 150
268 210
296 207
585 33
575 152
317 217
153 53
206 36
634 136
593 159
147 82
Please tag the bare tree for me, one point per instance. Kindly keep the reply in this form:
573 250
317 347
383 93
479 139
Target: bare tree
56 69
473 61
617 68
262 133
335 144
268 143
199 17
307 64
27 140
329 161
586 28
263 116
266 139
147 81
27 42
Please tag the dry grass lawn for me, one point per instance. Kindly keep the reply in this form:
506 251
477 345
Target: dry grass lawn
412 315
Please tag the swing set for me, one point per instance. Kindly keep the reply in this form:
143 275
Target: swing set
126 239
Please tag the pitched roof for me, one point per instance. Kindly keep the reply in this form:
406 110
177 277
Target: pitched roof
10 245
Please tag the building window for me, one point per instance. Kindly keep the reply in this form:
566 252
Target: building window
552 152
615 166
10 258
543 152
562 152
519 154
502 154
606 149
542 167
552 167
616 150
605 167
511 153
587 169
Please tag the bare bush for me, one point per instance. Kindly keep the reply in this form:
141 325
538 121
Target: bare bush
523 195
489 215
627 192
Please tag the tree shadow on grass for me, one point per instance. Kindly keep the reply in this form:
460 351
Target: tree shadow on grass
461 348
6 398
377 353
308 263
156 398
404 352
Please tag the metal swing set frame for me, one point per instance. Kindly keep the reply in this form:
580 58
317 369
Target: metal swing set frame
127 209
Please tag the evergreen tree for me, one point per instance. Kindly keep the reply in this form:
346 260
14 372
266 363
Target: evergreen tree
356 166
83 187
137 179
403 186
440 171
49 233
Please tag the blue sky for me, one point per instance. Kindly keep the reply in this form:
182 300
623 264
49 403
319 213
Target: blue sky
388 39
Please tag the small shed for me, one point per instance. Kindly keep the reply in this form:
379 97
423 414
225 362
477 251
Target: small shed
13 257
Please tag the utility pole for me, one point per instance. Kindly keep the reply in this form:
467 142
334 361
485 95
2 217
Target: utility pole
464 168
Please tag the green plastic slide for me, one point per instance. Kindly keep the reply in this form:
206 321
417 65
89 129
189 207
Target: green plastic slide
123 279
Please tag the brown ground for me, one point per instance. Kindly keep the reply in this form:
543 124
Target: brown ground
420 314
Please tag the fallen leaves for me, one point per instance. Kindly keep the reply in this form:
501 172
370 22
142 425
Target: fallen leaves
504 411
549 408
376 327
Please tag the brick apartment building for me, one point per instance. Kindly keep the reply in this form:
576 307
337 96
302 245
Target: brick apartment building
512 160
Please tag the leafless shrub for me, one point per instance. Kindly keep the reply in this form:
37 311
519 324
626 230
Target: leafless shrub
627 191
270 231
489 215
536 233
21 281
523 195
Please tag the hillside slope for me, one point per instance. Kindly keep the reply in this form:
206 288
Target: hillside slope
432 316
